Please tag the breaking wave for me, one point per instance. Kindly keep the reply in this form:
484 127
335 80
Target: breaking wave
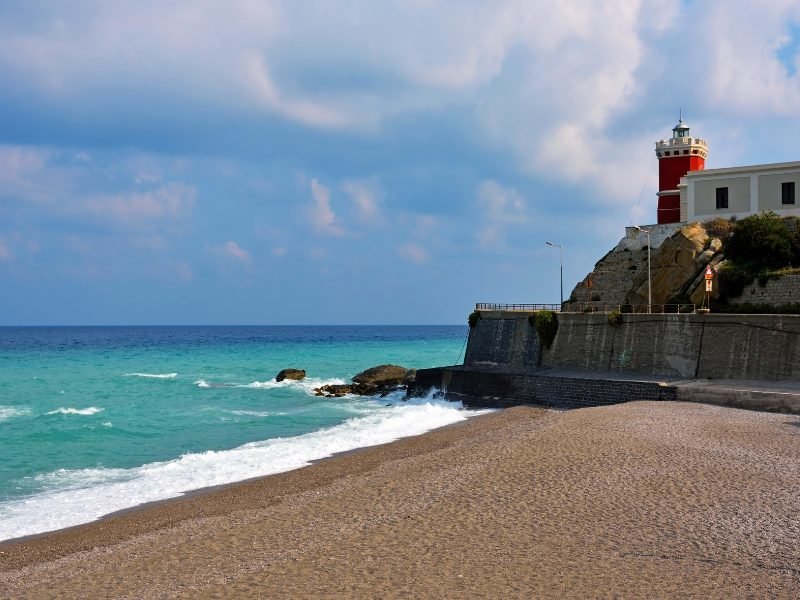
152 375
92 410
71 497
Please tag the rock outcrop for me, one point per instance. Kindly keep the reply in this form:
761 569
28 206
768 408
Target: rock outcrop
677 265
378 380
677 261
293 374
382 375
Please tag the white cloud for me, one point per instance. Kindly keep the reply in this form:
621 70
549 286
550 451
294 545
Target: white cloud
168 201
233 251
547 83
303 110
5 251
502 207
21 172
413 252
745 75
323 219
365 195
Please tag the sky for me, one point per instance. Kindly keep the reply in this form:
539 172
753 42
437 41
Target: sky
356 161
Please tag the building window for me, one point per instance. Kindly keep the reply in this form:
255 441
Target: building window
722 198
666 153
695 152
787 192
686 152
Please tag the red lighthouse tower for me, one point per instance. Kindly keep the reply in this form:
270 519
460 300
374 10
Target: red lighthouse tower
676 157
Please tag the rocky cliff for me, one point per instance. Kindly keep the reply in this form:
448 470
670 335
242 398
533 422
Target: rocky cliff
679 257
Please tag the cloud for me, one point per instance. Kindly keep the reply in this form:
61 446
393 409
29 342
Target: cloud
365 195
413 252
302 110
169 201
5 251
745 73
323 219
233 251
502 207
21 169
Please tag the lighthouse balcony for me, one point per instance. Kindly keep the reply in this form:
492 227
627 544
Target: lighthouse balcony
685 142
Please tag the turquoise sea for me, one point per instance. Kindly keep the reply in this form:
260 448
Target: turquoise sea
98 419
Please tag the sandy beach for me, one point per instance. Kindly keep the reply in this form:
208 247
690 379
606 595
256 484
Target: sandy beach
639 500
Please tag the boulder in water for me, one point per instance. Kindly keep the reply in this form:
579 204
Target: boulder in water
382 375
293 374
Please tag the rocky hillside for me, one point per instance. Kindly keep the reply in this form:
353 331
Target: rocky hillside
678 266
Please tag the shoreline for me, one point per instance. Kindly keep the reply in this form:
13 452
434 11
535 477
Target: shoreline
210 489
158 506
645 499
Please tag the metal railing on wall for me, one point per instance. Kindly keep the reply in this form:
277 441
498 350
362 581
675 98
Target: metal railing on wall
517 307
593 307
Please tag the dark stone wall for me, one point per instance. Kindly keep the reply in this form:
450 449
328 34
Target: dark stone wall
674 346
503 339
487 389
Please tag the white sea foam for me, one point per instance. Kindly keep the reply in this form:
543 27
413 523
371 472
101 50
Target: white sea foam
9 412
152 375
307 385
251 413
92 410
74 497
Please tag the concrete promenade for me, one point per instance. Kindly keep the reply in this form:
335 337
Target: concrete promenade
503 387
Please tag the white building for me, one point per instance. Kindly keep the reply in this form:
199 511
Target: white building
740 191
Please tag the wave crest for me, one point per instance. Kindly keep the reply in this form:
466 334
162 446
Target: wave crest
92 410
152 375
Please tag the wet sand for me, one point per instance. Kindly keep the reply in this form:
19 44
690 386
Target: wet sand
640 500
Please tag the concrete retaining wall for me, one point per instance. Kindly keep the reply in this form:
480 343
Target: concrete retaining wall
761 347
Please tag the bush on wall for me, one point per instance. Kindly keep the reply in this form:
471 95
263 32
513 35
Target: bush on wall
474 317
615 318
546 324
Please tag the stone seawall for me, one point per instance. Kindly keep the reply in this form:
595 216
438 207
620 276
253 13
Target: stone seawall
498 389
672 347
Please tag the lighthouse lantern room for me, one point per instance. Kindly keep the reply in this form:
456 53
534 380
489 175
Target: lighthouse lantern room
676 157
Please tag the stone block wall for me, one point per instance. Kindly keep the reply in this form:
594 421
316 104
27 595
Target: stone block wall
785 290
673 346
503 338
487 389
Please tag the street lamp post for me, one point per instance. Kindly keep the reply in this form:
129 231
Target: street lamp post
649 278
561 267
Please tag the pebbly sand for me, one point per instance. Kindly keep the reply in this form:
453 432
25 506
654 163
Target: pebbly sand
639 500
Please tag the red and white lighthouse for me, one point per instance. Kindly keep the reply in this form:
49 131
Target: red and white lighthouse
676 157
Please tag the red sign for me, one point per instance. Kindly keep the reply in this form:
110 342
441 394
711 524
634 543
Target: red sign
709 272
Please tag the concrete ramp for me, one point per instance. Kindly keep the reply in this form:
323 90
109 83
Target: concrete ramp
752 395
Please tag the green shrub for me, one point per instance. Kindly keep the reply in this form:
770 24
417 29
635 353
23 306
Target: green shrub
732 279
474 317
546 324
615 318
762 241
